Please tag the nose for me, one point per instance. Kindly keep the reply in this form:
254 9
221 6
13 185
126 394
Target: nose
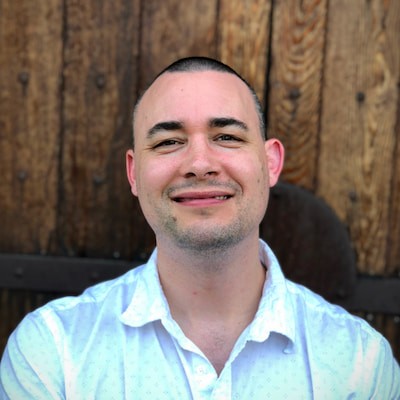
200 160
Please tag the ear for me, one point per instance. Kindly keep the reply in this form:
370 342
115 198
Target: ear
131 171
275 156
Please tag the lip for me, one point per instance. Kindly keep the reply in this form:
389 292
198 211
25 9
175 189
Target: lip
197 198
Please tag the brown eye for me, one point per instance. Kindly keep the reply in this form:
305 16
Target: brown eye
169 142
226 137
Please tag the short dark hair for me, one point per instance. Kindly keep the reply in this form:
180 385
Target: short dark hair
194 64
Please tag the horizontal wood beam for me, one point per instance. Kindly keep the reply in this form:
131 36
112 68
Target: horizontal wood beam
374 295
72 275
57 274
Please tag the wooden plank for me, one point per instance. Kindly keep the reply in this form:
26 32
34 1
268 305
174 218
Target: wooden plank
298 40
358 118
243 39
58 274
374 295
392 265
393 239
30 59
96 214
173 29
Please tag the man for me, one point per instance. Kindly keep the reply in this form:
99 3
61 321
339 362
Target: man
210 316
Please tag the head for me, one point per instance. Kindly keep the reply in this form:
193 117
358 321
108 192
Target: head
193 64
201 166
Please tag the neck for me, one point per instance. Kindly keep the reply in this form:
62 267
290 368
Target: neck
211 285
213 299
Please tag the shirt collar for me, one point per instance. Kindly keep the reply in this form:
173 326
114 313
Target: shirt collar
148 303
275 312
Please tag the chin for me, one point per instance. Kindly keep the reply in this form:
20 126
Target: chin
214 240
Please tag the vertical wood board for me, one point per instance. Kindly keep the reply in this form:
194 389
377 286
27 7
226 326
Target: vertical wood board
358 118
393 236
295 85
393 239
30 59
243 39
101 50
173 29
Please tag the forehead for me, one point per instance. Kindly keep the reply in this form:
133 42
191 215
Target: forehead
195 97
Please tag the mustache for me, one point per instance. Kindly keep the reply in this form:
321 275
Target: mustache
210 185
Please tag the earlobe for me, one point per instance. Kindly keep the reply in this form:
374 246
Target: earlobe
130 171
275 156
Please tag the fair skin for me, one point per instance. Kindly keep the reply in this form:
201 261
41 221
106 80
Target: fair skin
202 173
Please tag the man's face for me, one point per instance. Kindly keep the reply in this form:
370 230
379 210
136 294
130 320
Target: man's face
200 166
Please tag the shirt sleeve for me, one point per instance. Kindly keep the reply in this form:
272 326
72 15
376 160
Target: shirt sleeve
30 367
386 376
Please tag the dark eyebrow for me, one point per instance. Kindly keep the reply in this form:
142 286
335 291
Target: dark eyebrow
164 126
218 122
223 122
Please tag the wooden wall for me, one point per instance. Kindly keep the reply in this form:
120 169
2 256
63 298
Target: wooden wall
327 71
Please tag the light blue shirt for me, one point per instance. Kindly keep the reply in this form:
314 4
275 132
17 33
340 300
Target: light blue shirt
118 341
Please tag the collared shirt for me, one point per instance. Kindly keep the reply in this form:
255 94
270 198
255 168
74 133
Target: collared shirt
118 341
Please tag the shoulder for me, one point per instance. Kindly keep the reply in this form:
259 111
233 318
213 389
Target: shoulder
336 336
344 345
51 340
318 313
107 299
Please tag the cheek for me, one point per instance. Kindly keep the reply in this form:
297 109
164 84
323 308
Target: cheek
255 179
154 176
253 170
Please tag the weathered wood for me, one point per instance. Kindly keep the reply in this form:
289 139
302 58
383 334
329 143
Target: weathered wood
238 21
30 72
96 214
358 118
58 274
297 47
374 295
173 29
393 241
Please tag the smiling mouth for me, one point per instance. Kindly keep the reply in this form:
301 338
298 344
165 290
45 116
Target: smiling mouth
201 198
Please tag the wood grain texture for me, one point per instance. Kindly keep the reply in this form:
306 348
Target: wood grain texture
173 29
100 81
239 21
393 240
358 119
298 40
30 60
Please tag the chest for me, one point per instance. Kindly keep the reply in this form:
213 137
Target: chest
157 365
168 371
216 344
